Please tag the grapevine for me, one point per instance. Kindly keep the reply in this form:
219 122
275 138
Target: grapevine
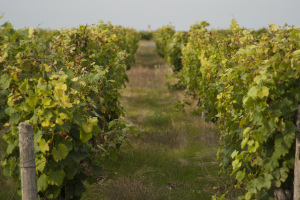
70 94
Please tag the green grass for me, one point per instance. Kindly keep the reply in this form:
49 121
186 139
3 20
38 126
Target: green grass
175 158
146 55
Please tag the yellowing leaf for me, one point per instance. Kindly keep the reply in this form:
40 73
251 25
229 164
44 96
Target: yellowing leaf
46 123
236 164
44 145
273 27
61 86
54 76
252 145
2 58
75 79
31 33
32 101
47 68
244 142
259 78
264 92
87 127
46 101
234 153
246 131
65 104
63 116
93 121
59 121
42 84
296 53
255 92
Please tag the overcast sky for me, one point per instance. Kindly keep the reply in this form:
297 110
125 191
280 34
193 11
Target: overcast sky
139 13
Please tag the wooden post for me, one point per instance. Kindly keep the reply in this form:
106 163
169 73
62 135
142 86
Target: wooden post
283 194
297 160
27 161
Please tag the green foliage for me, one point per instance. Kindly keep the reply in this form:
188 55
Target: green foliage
70 94
46 35
132 41
249 85
260 31
145 35
126 38
169 45
162 37
174 50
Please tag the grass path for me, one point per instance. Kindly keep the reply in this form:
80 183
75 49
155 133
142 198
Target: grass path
176 156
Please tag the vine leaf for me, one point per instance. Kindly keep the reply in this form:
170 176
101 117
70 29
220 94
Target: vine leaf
84 137
5 81
263 182
240 176
14 118
44 145
42 183
60 152
56 177
40 163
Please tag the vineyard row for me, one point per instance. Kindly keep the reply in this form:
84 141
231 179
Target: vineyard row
247 82
70 92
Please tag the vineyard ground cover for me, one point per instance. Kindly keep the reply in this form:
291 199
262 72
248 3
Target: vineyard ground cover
147 57
176 156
